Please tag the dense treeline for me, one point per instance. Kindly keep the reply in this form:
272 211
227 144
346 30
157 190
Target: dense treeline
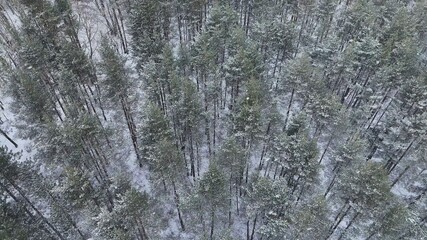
214 119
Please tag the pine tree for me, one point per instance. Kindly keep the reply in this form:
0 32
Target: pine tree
275 37
213 197
149 28
310 221
189 114
268 204
296 156
154 130
134 217
325 9
393 221
248 117
242 66
298 78
17 220
232 158
366 189
119 88
9 177
347 156
29 94
169 168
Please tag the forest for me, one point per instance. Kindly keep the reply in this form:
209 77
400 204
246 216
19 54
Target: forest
213 119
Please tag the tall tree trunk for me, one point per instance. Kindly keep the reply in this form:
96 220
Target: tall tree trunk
326 148
289 109
338 219
401 157
8 138
212 224
181 221
348 226
253 227
400 175
131 127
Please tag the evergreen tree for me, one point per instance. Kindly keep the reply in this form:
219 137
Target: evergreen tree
119 88
155 129
311 220
189 114
268 205
296 158
134 217
149 27
367 188
212 199
232 159
242 66
10 183
248 118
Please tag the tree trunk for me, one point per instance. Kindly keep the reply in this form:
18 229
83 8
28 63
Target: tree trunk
212 224
8 138
400 175
230 188
289 109
401 157
192 160
181 221
330 185
131 127
326 148
348 226
338 219
253 227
